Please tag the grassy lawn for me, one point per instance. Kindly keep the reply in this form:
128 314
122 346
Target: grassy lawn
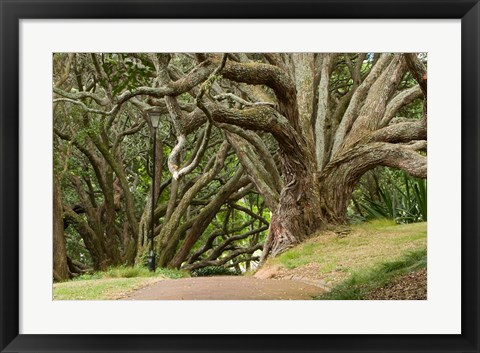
335 258
99 289
114 283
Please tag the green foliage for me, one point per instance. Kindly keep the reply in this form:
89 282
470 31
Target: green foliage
142 259
128 272
398 197
362 282
413 110
76 247
125 73
214 271
172 273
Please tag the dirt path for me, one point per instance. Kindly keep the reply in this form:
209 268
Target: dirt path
226 288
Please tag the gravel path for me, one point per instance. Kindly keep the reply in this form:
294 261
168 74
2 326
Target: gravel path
226 288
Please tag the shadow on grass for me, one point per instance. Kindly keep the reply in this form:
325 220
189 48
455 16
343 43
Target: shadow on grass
361 283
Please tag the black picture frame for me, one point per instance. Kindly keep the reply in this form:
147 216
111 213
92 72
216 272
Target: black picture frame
12 11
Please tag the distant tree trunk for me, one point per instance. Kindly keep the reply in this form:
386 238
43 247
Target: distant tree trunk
60 267
169 238
201 222
98 231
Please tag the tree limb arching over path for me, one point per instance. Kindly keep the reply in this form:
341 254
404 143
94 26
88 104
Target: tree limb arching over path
289 134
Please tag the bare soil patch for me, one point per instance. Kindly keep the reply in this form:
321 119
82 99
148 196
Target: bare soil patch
412 286
308 274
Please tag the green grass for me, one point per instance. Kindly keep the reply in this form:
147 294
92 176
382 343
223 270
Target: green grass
98 289
362 282
113 283
335 258
133 272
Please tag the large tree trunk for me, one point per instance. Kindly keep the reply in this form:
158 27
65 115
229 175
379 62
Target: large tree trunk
297 215
331 116
60 268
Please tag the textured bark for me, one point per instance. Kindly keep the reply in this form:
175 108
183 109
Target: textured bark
263 118
113 161
357 101
332 118
273 77
401 99
322 109
304 80
60 267
106 242
297 215
401 132
374 108
419 72
223 260
252 165
341 176
261 150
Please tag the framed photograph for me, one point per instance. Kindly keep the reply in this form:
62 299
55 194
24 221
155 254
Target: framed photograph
234 176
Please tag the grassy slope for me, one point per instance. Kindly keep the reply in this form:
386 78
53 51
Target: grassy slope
334 258
363 282
111 284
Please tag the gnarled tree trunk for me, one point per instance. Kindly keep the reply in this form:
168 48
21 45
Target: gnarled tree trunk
329 119
297 215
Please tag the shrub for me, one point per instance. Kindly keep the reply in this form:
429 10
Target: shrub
214 271
402 199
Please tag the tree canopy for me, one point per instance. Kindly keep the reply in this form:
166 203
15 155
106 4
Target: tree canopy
255 152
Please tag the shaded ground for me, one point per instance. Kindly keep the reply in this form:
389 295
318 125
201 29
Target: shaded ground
226 288
412 286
